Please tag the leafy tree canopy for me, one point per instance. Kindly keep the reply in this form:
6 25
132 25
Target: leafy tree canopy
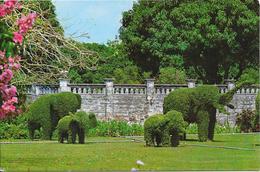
214 39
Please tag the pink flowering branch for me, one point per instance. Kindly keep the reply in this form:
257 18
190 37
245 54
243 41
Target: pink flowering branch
8 65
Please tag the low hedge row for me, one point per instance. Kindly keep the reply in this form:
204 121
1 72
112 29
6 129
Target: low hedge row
115 128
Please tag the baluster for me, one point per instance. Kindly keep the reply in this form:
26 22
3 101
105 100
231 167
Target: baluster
94 90
141 91
131 91
104 90
242 90
126 90
158 91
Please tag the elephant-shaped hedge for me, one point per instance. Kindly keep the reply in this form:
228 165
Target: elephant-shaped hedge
198 105
46 111
164 130
75 124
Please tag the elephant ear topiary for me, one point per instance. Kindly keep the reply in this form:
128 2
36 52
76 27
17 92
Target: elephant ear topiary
181 101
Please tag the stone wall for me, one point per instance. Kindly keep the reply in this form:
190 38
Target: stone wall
137 102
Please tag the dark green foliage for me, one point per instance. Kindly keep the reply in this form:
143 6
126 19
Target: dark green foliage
216 39
164 130
115 128
75 124
46 111
246 120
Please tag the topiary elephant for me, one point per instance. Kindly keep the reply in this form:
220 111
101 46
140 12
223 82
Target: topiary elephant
164 129
198 105
75 124
46 111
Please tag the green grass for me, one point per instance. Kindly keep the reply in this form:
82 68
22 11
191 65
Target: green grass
123 155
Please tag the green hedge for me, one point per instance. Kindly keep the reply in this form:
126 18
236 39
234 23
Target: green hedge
75 124
198 105
46 111
164 130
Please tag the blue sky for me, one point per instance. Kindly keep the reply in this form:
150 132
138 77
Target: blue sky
99 18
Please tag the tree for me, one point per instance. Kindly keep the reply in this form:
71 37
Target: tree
169 75
47 52
209 37
111 63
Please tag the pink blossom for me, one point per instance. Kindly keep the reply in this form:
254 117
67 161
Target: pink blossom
6 76
10 4
26 22
8 107
2 10
18 38
2 54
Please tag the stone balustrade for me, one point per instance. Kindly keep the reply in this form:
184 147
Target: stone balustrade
137 101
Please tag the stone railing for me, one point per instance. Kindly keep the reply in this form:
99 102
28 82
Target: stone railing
88 88
129 89
167 88
135 101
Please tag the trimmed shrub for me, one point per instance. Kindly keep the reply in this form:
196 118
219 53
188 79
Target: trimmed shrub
164 130
46 111
65 127
198 105
246 120
175 126
154 130
75 124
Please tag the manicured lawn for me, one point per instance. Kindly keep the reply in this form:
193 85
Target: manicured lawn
123 155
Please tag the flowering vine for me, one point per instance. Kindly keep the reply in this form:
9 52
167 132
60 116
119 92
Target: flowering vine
9 61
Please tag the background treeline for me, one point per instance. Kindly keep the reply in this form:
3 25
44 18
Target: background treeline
169 40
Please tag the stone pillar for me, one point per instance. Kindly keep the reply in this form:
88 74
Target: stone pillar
109 86
109 105
64 85
35 92
230 83
191 83
150 93
36 89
